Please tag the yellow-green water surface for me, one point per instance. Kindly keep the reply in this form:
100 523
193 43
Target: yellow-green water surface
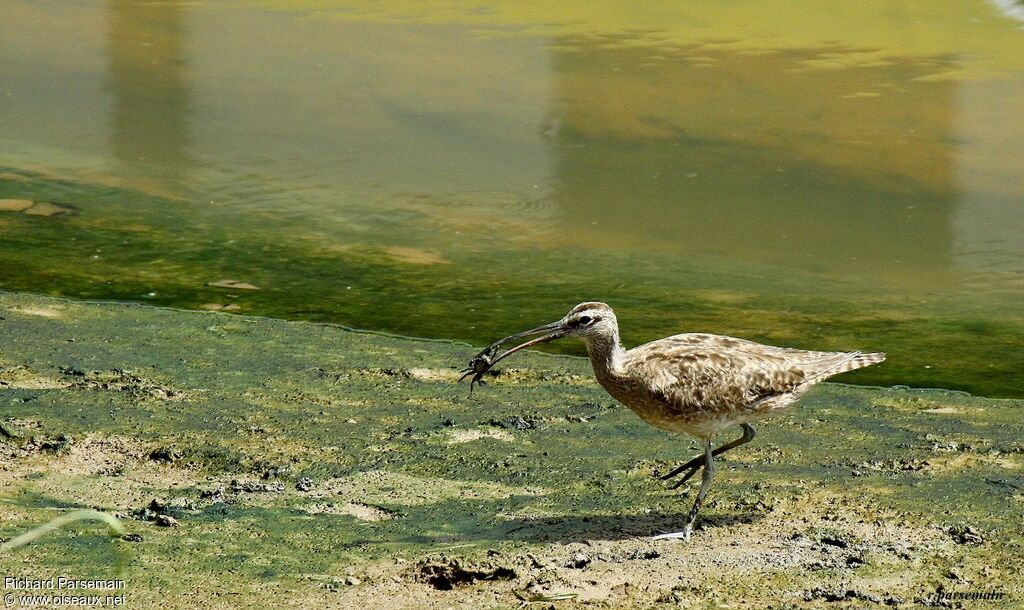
827 175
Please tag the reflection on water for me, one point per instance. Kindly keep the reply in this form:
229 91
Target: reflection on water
765 160
988 223
149 128
846 180
369 108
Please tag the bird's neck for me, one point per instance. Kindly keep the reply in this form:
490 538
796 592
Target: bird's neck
606 354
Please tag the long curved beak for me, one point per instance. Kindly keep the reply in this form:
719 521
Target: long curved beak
552 331
488 357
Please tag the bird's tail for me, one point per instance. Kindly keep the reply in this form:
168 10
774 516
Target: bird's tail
860 360
849 362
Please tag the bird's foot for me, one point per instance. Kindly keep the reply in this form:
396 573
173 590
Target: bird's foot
684 534
690 468
686 477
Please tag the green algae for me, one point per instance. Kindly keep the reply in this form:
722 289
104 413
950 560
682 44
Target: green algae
405 464
174 258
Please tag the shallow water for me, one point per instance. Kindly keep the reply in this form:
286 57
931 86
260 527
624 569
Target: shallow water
827 176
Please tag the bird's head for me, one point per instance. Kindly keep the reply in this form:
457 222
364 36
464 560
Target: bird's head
590 321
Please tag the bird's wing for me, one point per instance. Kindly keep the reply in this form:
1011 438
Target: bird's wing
716 342
711 372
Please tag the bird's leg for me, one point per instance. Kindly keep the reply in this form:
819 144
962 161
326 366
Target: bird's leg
705 485
696 463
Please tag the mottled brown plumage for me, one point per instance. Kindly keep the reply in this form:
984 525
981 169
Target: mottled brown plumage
695 383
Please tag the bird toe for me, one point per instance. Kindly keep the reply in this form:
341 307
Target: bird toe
680 535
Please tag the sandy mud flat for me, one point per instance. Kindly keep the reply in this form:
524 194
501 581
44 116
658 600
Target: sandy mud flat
264 463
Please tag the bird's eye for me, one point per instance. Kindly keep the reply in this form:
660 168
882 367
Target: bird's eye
584 320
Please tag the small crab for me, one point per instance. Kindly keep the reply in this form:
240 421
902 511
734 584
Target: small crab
480 365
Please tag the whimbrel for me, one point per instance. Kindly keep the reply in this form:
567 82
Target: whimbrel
695 383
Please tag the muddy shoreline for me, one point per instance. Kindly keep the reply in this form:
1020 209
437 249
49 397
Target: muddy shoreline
258 462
